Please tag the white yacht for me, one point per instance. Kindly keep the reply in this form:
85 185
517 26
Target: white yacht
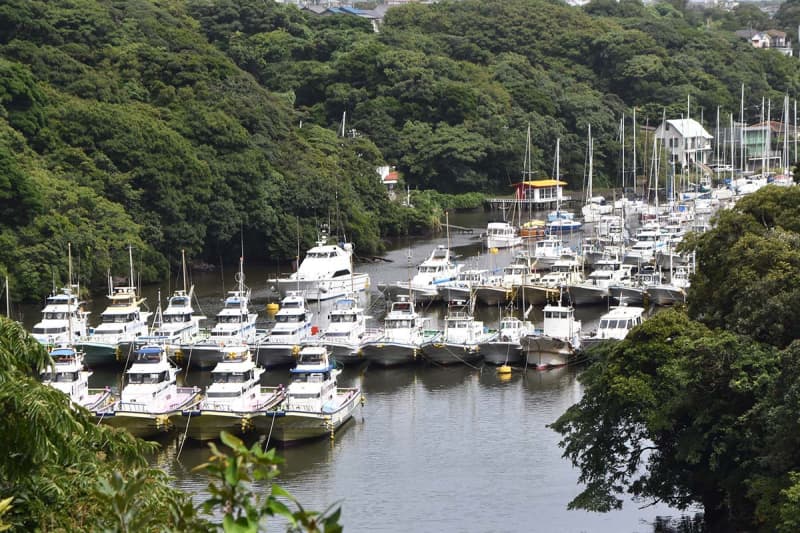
549 250
402 336
235 324
437 269
465 283
64 319
615 325
326 272
150 399
68 375
502 235
314 406
558 340
633 293
461 339
564 272
346 329
235 401
292 328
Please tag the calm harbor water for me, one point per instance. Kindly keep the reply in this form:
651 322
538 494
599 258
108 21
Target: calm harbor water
433 449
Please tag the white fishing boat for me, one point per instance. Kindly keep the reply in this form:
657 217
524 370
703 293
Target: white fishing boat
595 290
150 399
461 338
314 406
234 325
558 340
564 272
614 325
177 324
122 322
235 401
506 347
436 270
63 313
64 320
68 375
502 235
326 272
280 346
633 293
673 292
465 283
347 326
402 336
502 289
549 250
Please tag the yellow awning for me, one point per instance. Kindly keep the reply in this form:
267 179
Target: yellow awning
542 183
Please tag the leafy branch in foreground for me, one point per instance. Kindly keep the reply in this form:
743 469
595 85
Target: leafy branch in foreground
232 490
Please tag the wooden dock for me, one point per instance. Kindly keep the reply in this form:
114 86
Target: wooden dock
458 229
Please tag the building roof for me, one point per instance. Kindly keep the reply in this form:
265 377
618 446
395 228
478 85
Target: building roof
391 177
541 183
689 128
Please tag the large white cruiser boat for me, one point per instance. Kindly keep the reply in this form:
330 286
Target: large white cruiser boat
234 325
151 397
314 406
502 235
68 375
235 400
402 336
437 269
326 272
63 318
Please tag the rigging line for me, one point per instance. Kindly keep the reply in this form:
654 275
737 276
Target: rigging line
269 435
183 440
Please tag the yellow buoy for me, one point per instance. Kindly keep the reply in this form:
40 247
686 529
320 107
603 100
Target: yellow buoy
504 369
272 308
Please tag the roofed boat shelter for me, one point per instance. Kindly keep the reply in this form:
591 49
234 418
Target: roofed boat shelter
536 194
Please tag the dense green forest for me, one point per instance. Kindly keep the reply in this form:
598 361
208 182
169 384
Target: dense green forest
198 124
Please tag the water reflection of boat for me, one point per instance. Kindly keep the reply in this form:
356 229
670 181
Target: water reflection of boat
438 378
390 380
461 339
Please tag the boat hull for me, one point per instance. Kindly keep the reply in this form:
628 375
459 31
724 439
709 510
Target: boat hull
666 296
388 353
627 295
98 354
296 426
444 353
144 423
203 356
346 354
501 353
588 295
275 355
207 424
492 296
538 294
543 351
324 289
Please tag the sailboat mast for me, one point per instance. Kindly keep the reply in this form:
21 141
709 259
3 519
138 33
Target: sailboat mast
8 299
183 267
741 132
130 261
622 127
634 154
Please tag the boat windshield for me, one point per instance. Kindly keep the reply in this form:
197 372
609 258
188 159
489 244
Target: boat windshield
176 319
343 318
49 331
230 377
289 318
147 379
60 377
398 323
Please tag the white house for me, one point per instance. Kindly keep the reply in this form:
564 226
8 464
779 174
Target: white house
686 141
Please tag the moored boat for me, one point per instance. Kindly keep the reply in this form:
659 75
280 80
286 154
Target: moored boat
64 319
614 325
281 345
234 400
402 336
314 406
558 340
150 399
434 271
326 272
345 331
68 375
506 347
460 340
